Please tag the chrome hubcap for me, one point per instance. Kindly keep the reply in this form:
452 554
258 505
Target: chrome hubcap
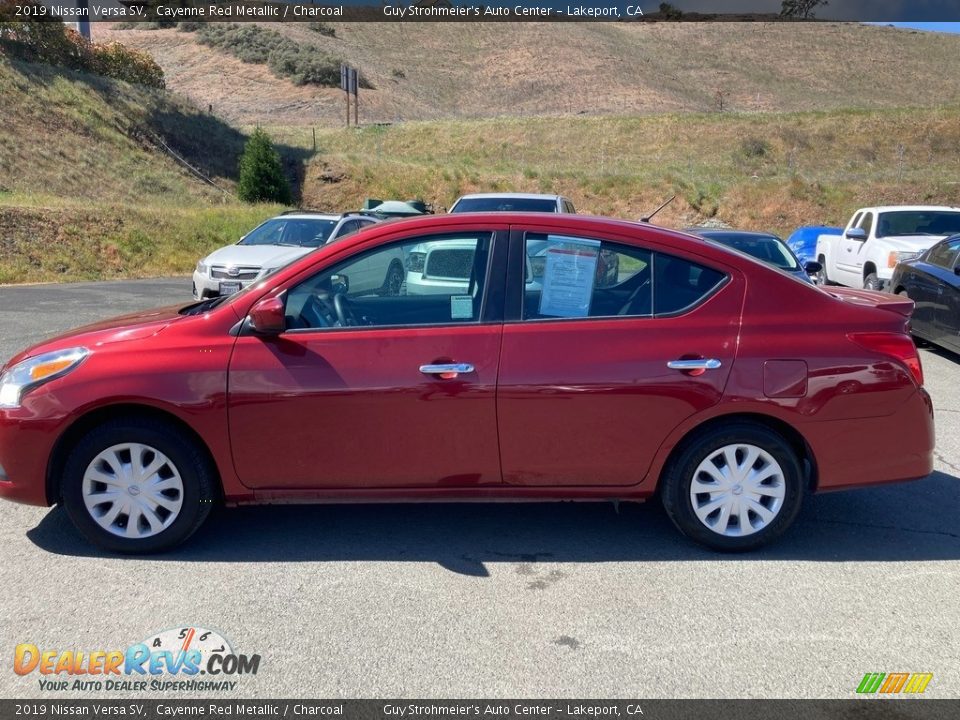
132 490
738 490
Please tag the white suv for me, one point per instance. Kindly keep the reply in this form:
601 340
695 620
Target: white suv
272 245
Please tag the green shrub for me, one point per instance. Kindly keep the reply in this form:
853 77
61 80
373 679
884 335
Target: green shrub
323 28
52 43
134 66
261 174
303 64
754 147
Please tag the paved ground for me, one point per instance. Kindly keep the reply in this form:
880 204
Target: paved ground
504 600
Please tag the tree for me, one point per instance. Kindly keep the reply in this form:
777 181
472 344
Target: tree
261 174
800 8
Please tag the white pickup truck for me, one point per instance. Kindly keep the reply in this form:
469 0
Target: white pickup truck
877 238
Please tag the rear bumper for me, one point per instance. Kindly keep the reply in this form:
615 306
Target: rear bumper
872 451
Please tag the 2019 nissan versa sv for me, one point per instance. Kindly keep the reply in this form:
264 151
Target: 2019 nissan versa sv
678 379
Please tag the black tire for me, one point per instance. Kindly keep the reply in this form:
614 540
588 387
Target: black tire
394 281
872 282
677 479
822 278
198 476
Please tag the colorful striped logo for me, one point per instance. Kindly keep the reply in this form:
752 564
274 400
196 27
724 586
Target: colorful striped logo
912 683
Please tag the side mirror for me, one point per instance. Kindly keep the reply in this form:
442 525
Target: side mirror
266 317
812 267
956 270
856 234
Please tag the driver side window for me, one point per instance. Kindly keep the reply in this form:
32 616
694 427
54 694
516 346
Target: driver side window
435 280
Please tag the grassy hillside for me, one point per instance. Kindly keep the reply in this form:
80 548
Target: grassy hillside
771 171
89 187
428 71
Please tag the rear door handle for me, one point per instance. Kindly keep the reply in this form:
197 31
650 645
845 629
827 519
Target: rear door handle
700 364
447 371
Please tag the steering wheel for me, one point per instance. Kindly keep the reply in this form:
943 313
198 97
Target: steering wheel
344 311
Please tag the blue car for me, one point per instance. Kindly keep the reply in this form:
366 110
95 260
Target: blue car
803 241
763 246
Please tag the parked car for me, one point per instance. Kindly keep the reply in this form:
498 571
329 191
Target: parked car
269 246
877 238
932 281
677 382
764 247
512 202
803 240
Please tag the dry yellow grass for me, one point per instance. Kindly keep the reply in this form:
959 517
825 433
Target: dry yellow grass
475 70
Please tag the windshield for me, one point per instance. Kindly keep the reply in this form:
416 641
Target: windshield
769 249
503 204
918 222
291 232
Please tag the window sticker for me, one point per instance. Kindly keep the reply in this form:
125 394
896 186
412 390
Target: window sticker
461 307
568 276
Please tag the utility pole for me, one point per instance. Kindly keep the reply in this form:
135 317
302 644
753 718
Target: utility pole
83 24
345 86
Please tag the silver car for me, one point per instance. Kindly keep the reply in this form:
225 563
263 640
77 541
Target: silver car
272 245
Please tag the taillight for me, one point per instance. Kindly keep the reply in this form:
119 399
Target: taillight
895 345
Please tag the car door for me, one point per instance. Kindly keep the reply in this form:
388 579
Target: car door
923 280
851 253
400 395
947 313
592 378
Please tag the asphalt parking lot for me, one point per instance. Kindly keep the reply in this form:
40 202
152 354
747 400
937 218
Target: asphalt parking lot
531 600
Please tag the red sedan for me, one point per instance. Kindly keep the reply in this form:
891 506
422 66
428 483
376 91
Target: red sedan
723 385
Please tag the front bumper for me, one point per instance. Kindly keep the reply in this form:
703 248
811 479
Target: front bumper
26 445
205 287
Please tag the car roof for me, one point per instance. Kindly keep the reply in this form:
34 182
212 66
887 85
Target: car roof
914 208
307 215
518 196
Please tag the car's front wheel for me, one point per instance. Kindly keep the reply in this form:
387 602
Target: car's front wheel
734 488
872 282
137 486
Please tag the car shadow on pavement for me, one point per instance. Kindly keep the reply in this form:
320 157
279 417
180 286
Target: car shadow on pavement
910 521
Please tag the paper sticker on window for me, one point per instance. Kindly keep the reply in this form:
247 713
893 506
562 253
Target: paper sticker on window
461 307
568 276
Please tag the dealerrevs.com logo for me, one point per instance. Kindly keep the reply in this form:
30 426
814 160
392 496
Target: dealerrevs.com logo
179 659
894 683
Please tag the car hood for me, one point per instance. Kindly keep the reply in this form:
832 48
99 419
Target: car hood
134 326
912 243
256 255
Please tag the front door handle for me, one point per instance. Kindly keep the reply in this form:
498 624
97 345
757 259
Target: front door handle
699 364
447 371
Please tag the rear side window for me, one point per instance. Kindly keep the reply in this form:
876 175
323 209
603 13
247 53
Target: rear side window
571 277
679 284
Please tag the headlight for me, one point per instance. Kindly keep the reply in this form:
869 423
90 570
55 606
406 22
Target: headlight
268 271
201 268
898 257
28 374
414 262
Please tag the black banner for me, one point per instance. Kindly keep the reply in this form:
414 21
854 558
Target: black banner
171 11
874 709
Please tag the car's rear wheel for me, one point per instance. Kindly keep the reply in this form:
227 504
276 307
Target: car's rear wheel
734 488
394 281
137 486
